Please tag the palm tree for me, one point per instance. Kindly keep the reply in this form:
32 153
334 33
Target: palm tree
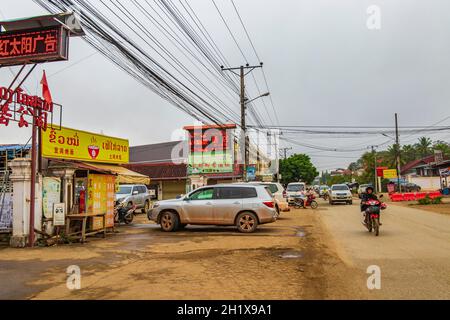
424 147
409 153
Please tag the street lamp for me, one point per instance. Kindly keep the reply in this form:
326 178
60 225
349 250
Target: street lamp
261 96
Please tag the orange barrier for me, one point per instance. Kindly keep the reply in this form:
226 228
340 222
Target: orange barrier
413 196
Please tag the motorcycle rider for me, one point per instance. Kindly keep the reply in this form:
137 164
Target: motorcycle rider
369 195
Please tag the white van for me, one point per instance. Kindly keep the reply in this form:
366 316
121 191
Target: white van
295 189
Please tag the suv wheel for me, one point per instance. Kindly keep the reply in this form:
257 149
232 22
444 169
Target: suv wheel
247 222
169 221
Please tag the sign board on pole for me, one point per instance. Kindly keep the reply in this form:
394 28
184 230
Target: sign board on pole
59 214
251 173
210 149
390 174
34 46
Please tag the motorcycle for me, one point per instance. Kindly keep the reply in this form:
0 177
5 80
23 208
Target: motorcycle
310 202
123 213
372 215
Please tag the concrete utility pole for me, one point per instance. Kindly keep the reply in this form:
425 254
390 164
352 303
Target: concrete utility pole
397 141
375 165
285 150
244 102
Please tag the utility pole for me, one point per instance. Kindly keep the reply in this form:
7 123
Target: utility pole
243 102
397 142
285 150
375 166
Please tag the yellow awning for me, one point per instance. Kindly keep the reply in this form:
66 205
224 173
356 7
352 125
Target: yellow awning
124 175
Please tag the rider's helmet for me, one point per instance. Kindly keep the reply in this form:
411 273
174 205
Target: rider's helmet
369 188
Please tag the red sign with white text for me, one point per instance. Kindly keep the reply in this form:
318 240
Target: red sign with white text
33 46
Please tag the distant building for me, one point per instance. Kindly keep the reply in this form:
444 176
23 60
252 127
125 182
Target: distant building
426 172
168 175
340 172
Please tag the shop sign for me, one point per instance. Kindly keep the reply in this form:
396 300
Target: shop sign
390 174
59 214
251 173
101 196
51 195
33 46
210 151
71 144
6 210
21 107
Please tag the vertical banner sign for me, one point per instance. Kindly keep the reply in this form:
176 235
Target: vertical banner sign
101 196
51 195
6 208
211 151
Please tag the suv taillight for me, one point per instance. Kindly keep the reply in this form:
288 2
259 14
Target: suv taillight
269 204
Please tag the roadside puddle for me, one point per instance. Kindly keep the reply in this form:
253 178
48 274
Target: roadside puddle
292 255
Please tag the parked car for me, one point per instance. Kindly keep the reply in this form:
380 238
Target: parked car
134 195
362 189
340 193
294 190
410 187
245 206
277 190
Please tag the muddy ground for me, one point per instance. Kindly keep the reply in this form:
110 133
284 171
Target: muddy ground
294 258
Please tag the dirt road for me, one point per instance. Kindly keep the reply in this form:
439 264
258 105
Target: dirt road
307 254
413 250
284 260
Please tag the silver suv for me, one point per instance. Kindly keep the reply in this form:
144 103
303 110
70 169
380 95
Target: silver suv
243 206
134 194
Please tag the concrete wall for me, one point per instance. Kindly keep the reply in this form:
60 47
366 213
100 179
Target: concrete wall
426 183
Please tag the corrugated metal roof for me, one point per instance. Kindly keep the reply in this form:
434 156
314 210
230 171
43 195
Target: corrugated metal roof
8 147
161 152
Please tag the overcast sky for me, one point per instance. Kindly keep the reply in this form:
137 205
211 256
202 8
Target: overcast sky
324 66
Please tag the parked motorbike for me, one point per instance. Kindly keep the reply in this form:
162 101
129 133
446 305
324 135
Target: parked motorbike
310 202
372 215
124 213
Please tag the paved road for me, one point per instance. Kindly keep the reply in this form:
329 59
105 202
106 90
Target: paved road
413 251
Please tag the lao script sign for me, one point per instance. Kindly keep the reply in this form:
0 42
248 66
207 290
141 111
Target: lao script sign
33 46
22 108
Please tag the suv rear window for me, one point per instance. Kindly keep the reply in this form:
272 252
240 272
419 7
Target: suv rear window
272 187
236 193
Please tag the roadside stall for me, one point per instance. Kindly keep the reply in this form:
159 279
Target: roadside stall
87 168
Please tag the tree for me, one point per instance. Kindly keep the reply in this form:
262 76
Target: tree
409 153
298 168
442 146
424 147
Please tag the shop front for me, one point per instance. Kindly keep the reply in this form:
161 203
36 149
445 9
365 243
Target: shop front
81 174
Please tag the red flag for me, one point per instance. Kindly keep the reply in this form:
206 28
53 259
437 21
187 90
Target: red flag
46 91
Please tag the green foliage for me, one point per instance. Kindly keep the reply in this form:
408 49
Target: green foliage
298 168
437 200
425 201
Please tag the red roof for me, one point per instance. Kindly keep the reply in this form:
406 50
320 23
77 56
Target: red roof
161 171
415 163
